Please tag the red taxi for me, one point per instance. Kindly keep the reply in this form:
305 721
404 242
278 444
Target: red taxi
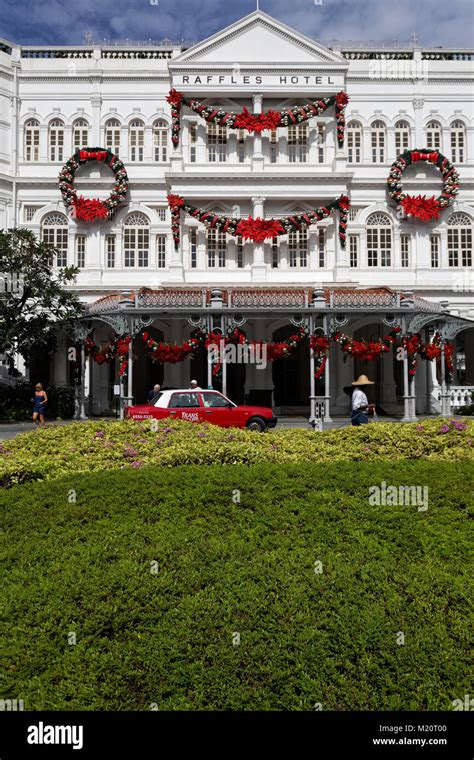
203 406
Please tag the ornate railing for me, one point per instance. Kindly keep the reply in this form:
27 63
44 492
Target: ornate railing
364 55
137 54
440 55
262 298
173 298
460 395
51 53
356 299
421 304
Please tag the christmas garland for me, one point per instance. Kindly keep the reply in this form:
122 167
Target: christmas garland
258 123
319 344
416 347
163 352
108 352
172 353
258 229
366 350
88 210
420 206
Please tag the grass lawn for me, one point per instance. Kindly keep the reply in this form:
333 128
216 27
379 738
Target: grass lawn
156 570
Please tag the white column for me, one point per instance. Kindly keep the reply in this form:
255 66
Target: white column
257 158
259 269
418 105
148 145
232 146
201 143
43 146
282 156
94 137
201 248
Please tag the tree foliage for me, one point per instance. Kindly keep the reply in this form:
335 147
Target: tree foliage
34 298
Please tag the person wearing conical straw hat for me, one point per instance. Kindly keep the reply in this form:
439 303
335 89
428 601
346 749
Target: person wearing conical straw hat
360 402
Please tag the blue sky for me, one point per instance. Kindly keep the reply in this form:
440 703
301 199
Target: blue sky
444 23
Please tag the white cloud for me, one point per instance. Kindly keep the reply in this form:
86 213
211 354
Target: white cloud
436 22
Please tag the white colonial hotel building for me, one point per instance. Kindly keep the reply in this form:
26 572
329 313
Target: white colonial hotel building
54 100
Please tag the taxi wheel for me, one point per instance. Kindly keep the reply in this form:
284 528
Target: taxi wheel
257 424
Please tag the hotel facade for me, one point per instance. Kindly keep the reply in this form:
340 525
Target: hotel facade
393 270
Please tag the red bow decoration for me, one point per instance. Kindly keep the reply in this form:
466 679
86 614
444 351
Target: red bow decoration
258 229
421 207
86 155
87 210
175 98
418 156
257 122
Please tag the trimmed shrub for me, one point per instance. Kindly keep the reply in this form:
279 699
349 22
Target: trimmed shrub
200 588
52 452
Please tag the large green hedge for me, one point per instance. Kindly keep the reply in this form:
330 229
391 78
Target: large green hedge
95 446
154 572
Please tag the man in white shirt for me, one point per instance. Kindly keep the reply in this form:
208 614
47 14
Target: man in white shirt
360 402
195 386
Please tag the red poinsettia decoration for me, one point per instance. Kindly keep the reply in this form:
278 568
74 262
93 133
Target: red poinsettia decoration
422 207
175 202
89 209
344 202
319 344
342 98
123 345
432 351
257 122
175 98
258 229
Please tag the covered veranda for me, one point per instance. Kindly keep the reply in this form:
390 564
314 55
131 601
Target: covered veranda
292 385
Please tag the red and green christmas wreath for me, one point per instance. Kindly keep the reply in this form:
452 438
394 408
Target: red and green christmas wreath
260 122
420 206
86 209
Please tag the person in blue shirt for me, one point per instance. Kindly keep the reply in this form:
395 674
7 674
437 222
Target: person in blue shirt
39 401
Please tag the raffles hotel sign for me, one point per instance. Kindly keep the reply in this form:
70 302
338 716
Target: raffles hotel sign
237 79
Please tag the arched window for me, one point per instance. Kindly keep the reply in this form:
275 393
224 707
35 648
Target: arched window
378 142
136 240
402 137
137 140
160 141
354 142
55 233
216 143
298 144
56 140
80 134
379 240
32 140
458 142
433 135
112 136
459 240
